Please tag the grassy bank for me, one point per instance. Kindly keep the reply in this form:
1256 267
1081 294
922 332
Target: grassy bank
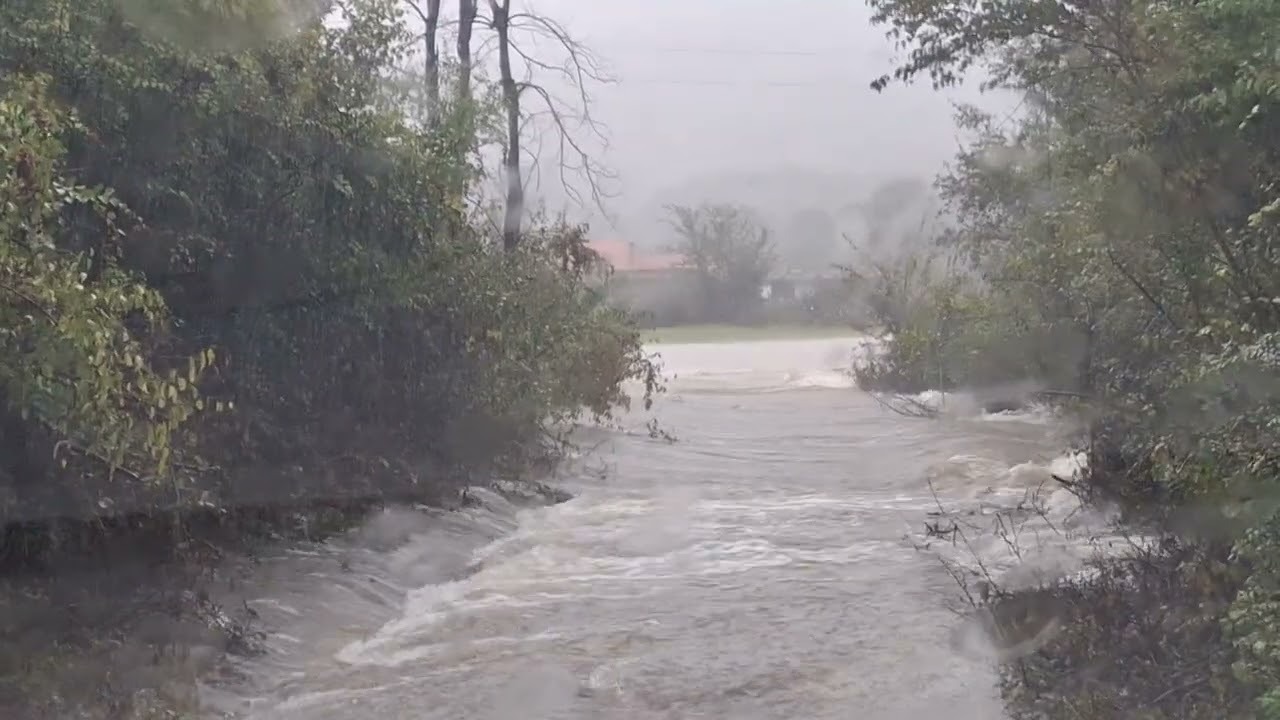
718 333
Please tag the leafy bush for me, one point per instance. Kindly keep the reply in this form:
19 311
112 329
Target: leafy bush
300 257
76 327
1126 219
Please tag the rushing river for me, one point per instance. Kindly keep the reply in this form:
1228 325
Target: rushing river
765 565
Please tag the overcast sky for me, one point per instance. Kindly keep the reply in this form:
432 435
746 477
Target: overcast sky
724 88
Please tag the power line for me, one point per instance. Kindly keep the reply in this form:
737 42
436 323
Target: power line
723 83
765 52
844 83
828 53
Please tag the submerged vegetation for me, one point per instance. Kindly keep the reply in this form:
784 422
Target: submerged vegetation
246 282
1118 238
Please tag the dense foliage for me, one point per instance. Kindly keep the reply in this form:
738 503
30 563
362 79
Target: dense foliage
730 251
228 206
1118 237
76 326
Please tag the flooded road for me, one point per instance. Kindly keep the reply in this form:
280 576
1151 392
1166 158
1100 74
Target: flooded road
765 565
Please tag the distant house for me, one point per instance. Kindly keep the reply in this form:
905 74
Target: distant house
660 284
626 259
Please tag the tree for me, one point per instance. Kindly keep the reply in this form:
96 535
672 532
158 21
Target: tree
467 12
731 251
225 25
1129 221
270 229
501 22
549 115
428 12
295 219
76 326
896 215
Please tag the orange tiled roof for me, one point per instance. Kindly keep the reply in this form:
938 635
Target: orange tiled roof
625 258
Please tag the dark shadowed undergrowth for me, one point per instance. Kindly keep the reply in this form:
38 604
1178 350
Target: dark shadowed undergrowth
1139 638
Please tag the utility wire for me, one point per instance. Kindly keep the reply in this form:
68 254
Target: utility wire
695 82
749 52
747 82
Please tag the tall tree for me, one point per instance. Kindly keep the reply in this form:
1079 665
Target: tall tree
512 216
296 221
467 12
731 250
523 70
429 13
1133 204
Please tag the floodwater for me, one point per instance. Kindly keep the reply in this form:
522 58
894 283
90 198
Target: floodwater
767 564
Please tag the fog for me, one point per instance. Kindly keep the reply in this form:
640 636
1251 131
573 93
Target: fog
723 100
743 101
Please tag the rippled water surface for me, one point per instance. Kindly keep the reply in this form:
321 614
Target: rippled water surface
760 567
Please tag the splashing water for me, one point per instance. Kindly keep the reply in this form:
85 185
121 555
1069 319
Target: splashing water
764 566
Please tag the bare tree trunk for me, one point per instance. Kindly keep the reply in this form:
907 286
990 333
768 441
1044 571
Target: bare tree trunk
466 22
511 100
432 22
430 16
464 111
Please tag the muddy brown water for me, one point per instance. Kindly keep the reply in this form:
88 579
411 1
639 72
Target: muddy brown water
765 565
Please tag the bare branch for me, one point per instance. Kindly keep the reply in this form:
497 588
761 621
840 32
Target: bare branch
534 176
30 301
593 172
580 69
538 76
905 405
583 65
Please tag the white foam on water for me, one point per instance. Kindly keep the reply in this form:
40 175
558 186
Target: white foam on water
308 700
829 379
825 363
617 550
1069 466
747 547
401 651
1038 531
609 552
1032 415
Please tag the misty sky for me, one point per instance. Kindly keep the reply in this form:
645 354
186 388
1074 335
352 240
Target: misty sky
724 87
755 101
